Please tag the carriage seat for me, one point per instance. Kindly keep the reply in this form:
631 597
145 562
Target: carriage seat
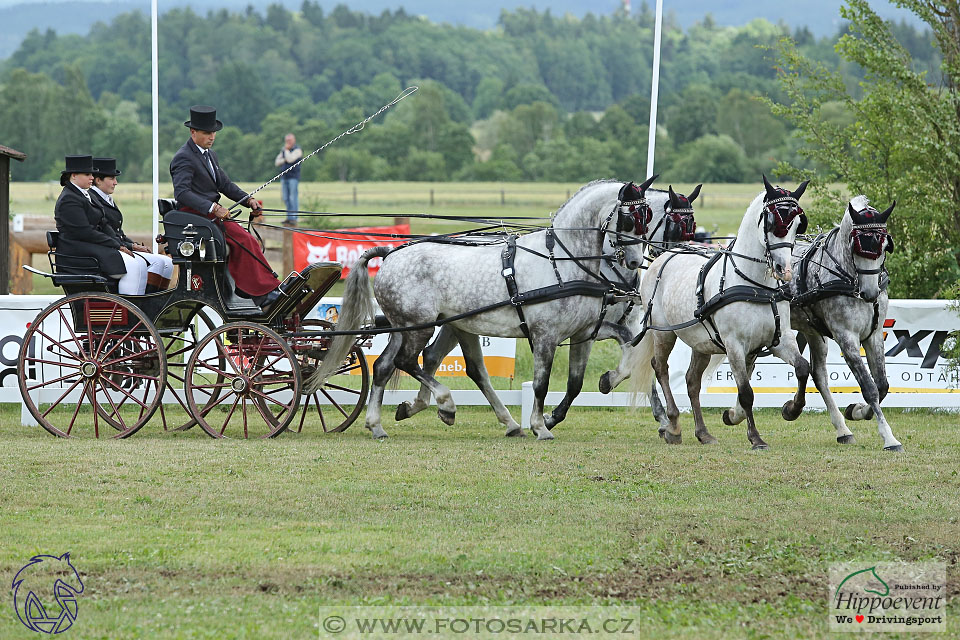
186 232
81 273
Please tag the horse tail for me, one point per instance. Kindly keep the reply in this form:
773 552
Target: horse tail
641 367
356 311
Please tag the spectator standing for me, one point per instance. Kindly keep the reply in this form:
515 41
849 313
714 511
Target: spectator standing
290 155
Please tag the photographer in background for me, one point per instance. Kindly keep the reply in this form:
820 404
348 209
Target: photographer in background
289 155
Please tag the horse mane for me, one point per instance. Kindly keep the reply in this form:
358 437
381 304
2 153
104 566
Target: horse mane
581 190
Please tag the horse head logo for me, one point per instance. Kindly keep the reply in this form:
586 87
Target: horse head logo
865 578
34 583
318 253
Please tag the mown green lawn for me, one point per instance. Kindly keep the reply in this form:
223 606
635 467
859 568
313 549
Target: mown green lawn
181 536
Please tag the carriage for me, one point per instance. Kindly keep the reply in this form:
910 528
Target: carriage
197 353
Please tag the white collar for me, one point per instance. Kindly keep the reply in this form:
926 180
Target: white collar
202 151
103 195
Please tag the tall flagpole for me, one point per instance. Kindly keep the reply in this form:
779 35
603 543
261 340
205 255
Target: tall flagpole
654 89
155 90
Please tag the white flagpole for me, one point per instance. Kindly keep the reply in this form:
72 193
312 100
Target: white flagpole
155 90
654 89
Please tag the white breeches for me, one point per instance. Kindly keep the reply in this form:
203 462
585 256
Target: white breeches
134 281
161 265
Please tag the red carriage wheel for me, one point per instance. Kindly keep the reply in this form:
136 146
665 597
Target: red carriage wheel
259 386
91 358
343 396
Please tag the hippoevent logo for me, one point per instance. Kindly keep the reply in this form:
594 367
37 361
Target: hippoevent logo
888 597
45 593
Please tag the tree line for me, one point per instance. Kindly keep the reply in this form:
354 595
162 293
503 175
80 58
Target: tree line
541 97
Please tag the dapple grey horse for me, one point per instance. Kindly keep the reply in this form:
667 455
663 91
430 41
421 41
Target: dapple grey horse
838 293
671 222
724 302
422 283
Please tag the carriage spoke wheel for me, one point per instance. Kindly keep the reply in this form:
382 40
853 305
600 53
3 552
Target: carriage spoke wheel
259 385
92 360
341 399
178 348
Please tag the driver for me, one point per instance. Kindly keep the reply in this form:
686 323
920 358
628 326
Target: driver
198 182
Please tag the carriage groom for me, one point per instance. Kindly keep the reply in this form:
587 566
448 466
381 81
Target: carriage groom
198 182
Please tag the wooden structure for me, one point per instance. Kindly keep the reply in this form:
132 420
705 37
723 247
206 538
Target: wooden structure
5 154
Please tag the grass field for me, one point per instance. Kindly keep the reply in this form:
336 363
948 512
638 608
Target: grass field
179 536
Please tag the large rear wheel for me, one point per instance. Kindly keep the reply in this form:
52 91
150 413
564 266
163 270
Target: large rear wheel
92 358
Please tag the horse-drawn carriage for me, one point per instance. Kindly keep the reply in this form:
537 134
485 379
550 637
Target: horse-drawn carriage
217 360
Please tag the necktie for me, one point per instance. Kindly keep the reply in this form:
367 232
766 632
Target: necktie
213 174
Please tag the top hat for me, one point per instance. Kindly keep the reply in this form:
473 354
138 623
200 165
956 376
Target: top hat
105 167
203 118
76 164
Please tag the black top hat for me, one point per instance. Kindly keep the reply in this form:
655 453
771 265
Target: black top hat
105 167
203 118
76 164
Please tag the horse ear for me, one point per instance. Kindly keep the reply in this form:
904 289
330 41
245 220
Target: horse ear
646 183
886 214
799 192
771 192
694 194
853 214
674 201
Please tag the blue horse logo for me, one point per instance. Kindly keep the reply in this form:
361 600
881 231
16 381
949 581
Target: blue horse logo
35 580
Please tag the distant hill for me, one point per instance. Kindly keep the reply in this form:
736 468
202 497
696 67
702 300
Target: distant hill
821 16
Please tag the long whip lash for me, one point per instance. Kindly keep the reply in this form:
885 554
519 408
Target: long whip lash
354 129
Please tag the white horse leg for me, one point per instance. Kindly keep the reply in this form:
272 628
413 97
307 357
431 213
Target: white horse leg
850 346
406 360
477 370
873 347
741 373
789 352
579 354
433 355
663 342
698 364
818 369
736 414
383 368
878 368
611 379
543 354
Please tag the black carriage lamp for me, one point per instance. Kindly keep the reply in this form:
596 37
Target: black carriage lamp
5 154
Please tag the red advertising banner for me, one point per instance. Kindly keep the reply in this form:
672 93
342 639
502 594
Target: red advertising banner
345 248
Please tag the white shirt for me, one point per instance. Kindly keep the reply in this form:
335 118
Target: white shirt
105 196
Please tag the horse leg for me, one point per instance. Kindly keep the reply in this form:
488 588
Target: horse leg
406 360
543 354
662 346
656 407
698 364
383 368
736 414
579 354
432 357
873 347
789 352
610 379
871 385
477 370
741 373
818 369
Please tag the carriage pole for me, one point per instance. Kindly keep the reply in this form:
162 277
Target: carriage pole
654 89
155 90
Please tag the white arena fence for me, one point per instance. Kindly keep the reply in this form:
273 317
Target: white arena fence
914 332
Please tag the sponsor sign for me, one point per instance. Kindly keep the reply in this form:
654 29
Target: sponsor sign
345 245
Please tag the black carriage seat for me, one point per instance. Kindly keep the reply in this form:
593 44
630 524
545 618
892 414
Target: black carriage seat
191 237
76 273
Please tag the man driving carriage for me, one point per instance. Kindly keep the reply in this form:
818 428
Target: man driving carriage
198 182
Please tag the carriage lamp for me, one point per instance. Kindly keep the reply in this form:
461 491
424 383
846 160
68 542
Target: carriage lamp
186 248
202 249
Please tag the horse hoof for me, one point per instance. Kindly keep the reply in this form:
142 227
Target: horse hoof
448 417
848 412
545 435
516 433
763 446
726 418
670 438
847 439
896 447
549 421
662 430
707 439
790 411
605 383
378 433
403 411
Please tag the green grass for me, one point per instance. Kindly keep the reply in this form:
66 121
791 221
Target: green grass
180 536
